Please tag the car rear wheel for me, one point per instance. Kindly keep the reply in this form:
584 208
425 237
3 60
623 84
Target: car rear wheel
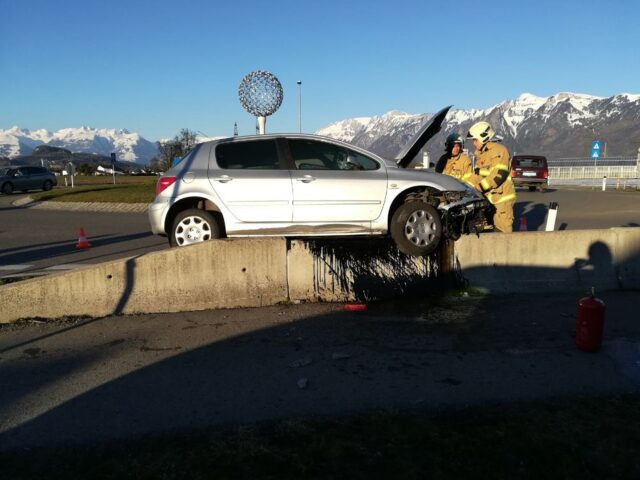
416 228
46 186
193 226
7 188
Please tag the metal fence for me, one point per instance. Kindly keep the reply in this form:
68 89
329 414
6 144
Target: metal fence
575 170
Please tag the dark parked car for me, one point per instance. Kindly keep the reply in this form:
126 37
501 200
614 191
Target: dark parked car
530 171
26 178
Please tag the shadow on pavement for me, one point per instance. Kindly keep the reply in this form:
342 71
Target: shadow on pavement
156 373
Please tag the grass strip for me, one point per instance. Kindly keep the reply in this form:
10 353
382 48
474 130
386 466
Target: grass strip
588 438
119 193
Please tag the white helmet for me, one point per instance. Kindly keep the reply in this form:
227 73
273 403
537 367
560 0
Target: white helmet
481 131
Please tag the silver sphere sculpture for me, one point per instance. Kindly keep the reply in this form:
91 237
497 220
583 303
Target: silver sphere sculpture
260 94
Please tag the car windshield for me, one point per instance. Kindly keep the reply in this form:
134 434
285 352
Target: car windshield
529 162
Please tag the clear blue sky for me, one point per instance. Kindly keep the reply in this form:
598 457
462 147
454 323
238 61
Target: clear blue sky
157 66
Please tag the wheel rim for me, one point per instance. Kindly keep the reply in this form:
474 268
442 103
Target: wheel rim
192 230
420 228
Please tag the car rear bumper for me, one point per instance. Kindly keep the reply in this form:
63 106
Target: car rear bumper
157 214
525 181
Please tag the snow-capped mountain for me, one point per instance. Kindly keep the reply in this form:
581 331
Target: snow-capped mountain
129 147
562 125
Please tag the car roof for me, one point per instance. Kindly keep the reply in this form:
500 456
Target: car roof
294 136
536 157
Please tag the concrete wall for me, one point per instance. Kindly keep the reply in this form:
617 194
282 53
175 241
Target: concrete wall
548 261
257 272
220 274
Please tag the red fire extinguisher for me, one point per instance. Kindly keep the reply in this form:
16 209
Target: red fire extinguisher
589 323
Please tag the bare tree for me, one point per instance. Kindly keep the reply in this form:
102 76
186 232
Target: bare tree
179 146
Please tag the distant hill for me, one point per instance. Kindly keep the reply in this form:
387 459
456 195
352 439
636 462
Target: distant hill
559 126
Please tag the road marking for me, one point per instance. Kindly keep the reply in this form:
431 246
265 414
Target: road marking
14 267
67 266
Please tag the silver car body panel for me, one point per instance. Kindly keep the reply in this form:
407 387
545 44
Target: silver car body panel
296 202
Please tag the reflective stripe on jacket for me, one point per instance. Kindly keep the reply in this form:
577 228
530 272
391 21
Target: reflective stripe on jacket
459 167
492 173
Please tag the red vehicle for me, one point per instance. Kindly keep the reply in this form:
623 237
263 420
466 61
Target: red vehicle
530 171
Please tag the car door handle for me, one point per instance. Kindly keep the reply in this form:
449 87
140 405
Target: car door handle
306 179
223 179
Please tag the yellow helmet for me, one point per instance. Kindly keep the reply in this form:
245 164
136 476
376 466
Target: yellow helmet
481 131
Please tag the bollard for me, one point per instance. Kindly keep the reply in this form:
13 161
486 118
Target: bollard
604 183
551 217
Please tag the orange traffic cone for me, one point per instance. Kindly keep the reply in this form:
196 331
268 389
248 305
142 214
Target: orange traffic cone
82 240
523 224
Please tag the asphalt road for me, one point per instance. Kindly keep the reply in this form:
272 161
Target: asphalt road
35 241
39 239
113 377
579 208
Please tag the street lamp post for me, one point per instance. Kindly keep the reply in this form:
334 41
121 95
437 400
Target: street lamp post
299 82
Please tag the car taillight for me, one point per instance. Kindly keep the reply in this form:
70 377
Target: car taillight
513 173
164 183
545 174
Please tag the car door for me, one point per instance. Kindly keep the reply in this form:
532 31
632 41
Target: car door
334 184
22 179
251 180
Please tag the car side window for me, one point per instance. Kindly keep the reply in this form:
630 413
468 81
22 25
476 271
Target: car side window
358 161
253 155
312 155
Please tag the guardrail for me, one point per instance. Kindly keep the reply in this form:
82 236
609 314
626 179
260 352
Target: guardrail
574 170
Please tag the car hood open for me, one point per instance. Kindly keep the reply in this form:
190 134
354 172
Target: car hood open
426 131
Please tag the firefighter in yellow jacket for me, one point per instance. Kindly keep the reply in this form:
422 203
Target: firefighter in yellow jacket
455 163
492 176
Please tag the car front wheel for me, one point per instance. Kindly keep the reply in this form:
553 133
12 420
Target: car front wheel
416 228
46 186
193 226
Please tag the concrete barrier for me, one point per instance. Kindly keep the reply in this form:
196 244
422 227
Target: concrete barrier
357 269
551 261
219 274
265 271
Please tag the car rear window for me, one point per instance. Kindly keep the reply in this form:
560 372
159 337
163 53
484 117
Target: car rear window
256 154
529 162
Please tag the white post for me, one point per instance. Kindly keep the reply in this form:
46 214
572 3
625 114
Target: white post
604 183
425 160
262 121
551 217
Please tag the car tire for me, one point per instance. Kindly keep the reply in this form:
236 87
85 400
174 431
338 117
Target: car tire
193 226
416 228
7 188
46 186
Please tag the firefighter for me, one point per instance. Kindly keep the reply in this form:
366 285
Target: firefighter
492 176
455 163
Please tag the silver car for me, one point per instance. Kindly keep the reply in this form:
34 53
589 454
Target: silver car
308 185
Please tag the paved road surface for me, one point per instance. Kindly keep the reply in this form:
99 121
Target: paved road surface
119 376
34 241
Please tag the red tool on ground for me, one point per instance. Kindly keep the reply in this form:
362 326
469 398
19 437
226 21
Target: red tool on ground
355 307
82 240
